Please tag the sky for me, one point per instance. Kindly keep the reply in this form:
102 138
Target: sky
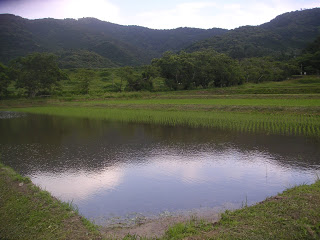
161 14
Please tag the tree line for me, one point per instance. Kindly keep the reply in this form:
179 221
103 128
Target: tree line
39 73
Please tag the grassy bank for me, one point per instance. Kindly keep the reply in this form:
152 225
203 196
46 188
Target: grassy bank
27 212
293 214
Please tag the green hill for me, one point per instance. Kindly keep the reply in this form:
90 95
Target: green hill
283 37
115 44
89 42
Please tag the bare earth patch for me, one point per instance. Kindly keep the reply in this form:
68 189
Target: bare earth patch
156 228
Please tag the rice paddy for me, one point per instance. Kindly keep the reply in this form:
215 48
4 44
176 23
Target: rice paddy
253 122
256 108
225 102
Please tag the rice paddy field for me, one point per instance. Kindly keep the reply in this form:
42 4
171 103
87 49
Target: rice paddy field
216 102
270 112
287 124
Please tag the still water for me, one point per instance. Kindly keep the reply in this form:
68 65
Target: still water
117 170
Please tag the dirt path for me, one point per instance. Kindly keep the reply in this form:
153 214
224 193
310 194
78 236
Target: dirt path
155 228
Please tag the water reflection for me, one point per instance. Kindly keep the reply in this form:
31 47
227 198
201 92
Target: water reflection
114 169
80 184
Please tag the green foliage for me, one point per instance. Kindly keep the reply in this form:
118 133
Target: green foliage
38 73
84 76
82 59
4 81
309 61
138 83
284 37
257 70
125 74
93 43
191 70
143 81
105 74
89 42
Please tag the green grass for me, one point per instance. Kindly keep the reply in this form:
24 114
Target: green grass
268 123
100 85
293 214
100 82
298 85
27 212
187 229
222 102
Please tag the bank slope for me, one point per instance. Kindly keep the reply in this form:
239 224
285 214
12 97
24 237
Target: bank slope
293 214
27 212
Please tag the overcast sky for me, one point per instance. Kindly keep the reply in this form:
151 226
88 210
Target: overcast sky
161 14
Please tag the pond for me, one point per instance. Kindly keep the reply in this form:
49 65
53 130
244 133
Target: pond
116 171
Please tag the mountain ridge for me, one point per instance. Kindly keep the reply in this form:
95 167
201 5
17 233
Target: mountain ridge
123 45
90 42
283 37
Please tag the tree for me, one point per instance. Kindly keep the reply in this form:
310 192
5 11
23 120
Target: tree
212 68
38 73
189 70
137 82
125 74
170 69
84 76
4 80
310 59
257 70
226 71
204 67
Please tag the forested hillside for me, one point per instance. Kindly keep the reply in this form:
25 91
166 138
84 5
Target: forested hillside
283 37
89 42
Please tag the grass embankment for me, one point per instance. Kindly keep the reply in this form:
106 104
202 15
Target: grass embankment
293 214
27 212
